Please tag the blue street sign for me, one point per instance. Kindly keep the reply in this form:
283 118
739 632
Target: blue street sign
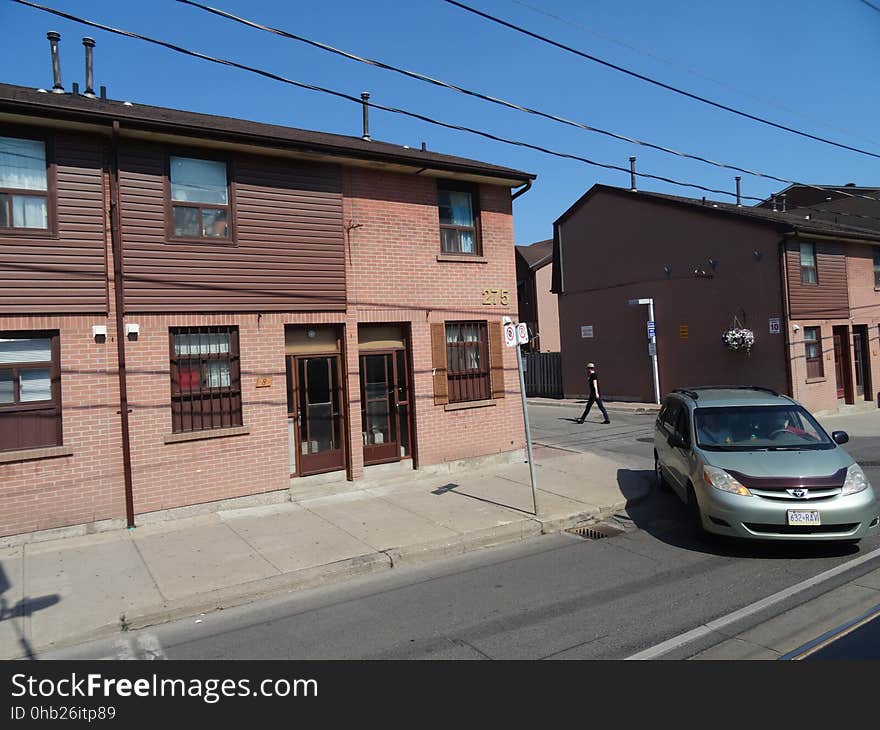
652 331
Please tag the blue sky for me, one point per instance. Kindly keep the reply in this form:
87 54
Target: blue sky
809 64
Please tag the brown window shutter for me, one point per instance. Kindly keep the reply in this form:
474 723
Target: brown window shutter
438 350
496 359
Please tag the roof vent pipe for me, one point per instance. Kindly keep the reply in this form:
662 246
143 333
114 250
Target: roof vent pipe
773 198
54 37
783 202
632 174
89 44
738 195
365 98
104 92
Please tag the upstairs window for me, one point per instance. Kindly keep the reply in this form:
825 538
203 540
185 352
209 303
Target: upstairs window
808 264
23 184
199 198
459 218
877 267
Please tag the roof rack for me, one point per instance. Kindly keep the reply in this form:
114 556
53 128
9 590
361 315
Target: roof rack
734 387
685 391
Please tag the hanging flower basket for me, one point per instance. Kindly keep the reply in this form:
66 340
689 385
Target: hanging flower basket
738 338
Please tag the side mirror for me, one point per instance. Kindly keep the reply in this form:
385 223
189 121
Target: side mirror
840 437
676 441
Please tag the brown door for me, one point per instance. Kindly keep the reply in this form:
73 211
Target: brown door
842 369
315 397
861 357
385 406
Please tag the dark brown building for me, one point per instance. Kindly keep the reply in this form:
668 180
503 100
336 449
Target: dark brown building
809 290
537 305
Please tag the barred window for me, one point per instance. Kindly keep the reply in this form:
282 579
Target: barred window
467 361
30 390
813 352
205 378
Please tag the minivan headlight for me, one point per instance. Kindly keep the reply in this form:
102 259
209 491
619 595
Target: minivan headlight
856 481
720 479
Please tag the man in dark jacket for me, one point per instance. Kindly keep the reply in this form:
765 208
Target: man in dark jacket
594 395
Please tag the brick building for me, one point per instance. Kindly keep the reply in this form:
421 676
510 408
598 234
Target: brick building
196 308
807 284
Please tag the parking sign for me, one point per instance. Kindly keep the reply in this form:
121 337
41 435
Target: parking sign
509 334
522 334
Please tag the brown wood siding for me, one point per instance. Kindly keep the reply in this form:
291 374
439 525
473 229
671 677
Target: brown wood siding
829 298
288 252
64 271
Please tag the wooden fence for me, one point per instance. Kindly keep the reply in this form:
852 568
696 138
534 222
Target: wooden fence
543 374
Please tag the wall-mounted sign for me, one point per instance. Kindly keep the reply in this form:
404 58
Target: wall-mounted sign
683 331
586 330
496 296
775 325
264 381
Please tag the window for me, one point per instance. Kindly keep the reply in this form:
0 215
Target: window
467 361
205 378
877 267
808 264
199 198
813 352
30 390
459 219
23 184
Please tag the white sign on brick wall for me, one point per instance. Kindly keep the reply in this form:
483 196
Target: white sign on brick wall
586 330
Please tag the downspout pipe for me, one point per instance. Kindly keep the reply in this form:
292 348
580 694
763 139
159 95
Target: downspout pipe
119 298
786 321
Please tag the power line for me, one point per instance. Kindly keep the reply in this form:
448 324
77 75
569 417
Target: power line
501 102
871 5
694 72
655 82
382 107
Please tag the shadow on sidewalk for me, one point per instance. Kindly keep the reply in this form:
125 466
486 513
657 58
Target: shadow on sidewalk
455 488
663 515
23 609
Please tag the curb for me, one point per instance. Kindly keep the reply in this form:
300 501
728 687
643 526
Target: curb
342 570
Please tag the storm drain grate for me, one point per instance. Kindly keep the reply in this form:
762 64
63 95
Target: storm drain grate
595 532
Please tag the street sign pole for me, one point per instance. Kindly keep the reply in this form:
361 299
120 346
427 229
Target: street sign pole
522 391
654 353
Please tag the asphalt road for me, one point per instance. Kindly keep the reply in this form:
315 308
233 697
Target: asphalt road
560 597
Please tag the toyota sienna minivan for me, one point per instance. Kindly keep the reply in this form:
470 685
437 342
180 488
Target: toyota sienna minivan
749 462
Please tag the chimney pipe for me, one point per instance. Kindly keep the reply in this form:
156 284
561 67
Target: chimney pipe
632 174
74 88
424 147
54 37
103 92
738 195
783 202
365 97
773 198
89 44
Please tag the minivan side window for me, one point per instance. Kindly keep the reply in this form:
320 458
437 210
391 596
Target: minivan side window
683 425
673 408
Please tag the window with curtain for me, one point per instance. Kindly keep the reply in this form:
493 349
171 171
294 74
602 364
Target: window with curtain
467 361
205 378
813 352
809 274
23 184
457 206
199 198
30 390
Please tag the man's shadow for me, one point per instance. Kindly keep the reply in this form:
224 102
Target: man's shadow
25 608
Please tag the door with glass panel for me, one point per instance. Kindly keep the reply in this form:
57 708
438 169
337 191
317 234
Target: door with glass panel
314 402
385 406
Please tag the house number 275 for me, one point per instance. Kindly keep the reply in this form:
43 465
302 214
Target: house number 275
496 296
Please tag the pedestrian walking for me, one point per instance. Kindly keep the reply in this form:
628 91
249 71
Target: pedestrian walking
593 380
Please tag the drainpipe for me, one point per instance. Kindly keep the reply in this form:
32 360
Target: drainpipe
116 243
524 189
786 321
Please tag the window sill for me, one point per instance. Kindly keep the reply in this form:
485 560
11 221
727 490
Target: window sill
462 258
816 380
46 452
214 433
468 404
224 242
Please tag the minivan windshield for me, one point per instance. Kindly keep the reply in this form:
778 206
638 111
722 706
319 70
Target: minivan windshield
759 428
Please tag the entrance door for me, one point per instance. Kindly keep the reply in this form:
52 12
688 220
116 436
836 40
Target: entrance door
385 406
314 386
862 363
842 364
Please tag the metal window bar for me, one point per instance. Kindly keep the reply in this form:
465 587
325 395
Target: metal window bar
467 361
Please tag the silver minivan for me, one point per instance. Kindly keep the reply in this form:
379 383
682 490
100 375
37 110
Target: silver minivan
749 462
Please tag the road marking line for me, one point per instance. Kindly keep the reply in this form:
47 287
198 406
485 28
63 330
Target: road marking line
707 628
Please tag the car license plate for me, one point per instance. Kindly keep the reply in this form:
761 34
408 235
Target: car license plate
803 517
